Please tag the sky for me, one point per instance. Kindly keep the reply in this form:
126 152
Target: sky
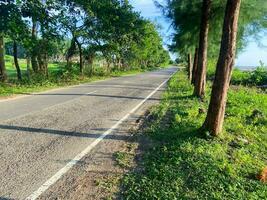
250 57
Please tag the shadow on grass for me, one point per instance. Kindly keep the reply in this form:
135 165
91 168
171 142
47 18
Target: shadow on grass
161 159
178 161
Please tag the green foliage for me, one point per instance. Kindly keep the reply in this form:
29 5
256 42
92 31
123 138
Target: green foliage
185 163
185 16
123 159
84 30
58 76
257 77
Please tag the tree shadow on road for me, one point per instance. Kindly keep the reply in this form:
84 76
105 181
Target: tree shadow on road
65 133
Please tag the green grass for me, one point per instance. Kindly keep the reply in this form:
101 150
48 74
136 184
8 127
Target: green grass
58 77
123 159
187 164
11 70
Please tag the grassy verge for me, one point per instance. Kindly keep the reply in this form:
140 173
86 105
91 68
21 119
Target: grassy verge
58 77
186 164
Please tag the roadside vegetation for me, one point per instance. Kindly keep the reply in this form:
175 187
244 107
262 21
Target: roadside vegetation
55 43
59 76
186 163
254 77
214 31
208 135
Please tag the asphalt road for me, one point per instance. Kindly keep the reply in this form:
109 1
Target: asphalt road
43 135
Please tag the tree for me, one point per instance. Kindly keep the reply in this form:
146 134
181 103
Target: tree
5 10
216 111
3 75
189 67
43 19
18 32
15 51
194 70
200 78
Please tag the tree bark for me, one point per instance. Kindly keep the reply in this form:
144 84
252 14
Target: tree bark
108 65
28 65
3 75
70 53
199 90
189 67
46 64
34 61
90 60
80 54
43 63
15 52
216 111
194 70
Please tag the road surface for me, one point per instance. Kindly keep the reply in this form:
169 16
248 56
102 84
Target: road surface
44 135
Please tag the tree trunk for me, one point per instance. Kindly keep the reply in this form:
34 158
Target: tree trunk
189 67
28 65
194 70
3 75
81 59
203 49
46 64
34 61
91 64
80 55
216 111
108 65
70 53
15 52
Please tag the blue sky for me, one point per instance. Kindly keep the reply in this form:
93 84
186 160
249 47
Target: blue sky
249 57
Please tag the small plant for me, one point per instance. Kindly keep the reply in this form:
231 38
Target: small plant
123 159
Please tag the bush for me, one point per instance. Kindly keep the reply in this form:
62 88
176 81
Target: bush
257 77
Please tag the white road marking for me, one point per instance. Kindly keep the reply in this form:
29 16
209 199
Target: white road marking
77 158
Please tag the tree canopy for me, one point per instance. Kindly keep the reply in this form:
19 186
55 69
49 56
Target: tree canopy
80 29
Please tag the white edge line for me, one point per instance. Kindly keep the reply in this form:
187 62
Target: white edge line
78 157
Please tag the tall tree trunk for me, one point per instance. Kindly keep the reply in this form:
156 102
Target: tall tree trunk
34 60
108 65
46 64
203 49
91 63
80 54
216 111
70 53
3 75
189 67
194 70
28 65
81 59
15 52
